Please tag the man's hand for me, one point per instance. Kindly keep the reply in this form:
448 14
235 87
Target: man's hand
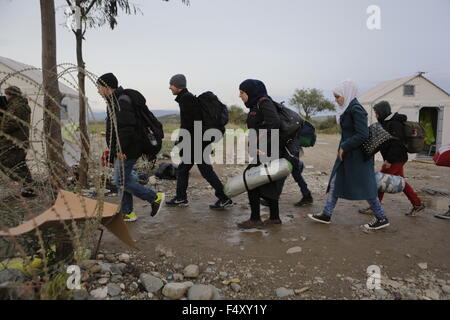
122 156
386 165
341 154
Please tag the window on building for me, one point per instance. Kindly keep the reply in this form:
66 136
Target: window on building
409 90
64 112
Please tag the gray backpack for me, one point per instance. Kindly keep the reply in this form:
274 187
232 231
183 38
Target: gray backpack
414 136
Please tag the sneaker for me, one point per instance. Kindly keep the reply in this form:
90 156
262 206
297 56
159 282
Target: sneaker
177 203
264 202
444 216
305 201
250 224
219 205
130 217
320 217
367 211
415 210
377 224
157 204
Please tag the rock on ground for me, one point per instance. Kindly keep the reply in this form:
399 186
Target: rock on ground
200 292
191 271
151 283
283 292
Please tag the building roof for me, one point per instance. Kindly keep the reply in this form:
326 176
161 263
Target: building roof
35 75
386 87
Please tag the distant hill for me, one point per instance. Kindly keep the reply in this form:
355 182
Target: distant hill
101 115
169 118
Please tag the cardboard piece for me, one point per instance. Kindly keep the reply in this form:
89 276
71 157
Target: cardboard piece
70 206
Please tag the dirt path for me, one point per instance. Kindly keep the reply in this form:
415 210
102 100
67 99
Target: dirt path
333 259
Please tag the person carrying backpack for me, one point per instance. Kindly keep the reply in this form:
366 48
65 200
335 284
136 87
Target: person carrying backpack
189 113
395 153
125 145
352 177
262 115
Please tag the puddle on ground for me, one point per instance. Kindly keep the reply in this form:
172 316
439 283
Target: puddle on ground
238 237
438 204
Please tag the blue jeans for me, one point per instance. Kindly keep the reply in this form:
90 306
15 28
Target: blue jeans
375 204
127 182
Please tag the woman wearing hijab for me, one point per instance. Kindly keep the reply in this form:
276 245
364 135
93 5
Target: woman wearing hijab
353 177
262 115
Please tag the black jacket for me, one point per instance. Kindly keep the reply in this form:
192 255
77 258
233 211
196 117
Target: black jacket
189 110
265 116
394 151
11 127
120 107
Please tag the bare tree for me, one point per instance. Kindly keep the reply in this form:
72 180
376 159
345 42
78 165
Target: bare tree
52 96
93 13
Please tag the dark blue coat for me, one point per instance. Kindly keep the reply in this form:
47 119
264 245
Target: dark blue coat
355 176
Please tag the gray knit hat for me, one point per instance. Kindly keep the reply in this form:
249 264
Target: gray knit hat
13 91
179 81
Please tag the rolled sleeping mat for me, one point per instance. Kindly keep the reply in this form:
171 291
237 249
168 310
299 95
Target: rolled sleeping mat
257 176
389 183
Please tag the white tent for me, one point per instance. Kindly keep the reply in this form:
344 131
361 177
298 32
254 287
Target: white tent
29 80
413 96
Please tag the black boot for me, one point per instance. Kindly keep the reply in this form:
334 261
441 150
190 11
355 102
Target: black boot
306 200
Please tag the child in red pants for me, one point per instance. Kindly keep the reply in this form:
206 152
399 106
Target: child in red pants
394 153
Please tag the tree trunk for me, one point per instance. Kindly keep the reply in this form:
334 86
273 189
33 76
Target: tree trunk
84 160
52 97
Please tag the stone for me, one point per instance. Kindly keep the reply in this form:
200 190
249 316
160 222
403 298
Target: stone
191 271
423 265
95 269
178 266
223 275
200 292
110 258
134 286
100 293
114 289
446 289
432 294
178 277
80 295
116 278
294 250
103 280
118 268
87 264
216 293
11 276
151 283
283 292
175 291
381 293
124 258
235 287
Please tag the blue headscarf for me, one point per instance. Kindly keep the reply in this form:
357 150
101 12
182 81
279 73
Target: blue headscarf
255 90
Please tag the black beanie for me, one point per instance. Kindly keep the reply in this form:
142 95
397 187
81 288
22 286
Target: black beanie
383 109
108 80
179 81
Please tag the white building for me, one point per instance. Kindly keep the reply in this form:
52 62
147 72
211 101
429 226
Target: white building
414 96
29 80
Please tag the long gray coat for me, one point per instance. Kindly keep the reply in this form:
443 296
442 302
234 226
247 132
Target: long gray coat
355 176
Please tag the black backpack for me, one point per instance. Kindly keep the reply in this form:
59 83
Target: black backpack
149 128
214 112
291 121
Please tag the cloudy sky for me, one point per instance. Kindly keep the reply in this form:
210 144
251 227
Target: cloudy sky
217 44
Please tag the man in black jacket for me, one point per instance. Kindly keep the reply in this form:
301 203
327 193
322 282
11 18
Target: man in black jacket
394 152
189 114
125 147
14 139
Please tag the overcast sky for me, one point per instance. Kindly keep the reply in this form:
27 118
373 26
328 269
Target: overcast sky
288 44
